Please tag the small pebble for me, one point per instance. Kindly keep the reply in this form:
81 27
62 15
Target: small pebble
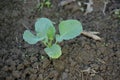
16 74
64 76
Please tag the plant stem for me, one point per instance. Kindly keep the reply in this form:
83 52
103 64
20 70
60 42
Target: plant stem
56 42
50 43
45 43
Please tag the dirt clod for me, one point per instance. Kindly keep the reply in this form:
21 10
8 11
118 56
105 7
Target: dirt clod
33 77
26 63
59 65
64 76
16 74
40 77
20 66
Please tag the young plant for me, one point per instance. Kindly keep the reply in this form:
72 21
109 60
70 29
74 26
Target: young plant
44 3
117 13
45 32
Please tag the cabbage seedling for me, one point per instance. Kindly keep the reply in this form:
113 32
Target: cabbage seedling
45 32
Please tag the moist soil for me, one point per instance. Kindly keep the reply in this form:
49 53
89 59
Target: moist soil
82 58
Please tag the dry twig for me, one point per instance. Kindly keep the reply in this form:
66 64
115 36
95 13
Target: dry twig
100 60
104 8
89 8
65 2
90 71
92 35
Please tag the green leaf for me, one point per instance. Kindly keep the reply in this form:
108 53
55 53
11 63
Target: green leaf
51 33
54 51
69 29
45 28
48 3
30 38
42 25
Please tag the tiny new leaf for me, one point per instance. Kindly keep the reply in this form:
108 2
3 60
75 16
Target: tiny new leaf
51 33
42 26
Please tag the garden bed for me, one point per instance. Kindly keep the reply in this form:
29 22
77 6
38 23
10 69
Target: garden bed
82 58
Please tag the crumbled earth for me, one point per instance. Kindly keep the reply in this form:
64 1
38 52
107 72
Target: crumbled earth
82 59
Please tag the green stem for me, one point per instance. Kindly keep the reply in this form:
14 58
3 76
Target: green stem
45 43
50 43
56 42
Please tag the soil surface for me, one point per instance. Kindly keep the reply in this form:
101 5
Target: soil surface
82 58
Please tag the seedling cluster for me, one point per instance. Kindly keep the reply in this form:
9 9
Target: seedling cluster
44 3
46 32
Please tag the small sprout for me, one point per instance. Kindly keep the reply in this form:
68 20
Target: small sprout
117 13
42 57
45 3
45 32
48 3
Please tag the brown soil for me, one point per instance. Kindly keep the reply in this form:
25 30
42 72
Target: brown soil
21 61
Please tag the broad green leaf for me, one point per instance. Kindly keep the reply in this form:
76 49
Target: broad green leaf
69 29
30 38
42 25
54 51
